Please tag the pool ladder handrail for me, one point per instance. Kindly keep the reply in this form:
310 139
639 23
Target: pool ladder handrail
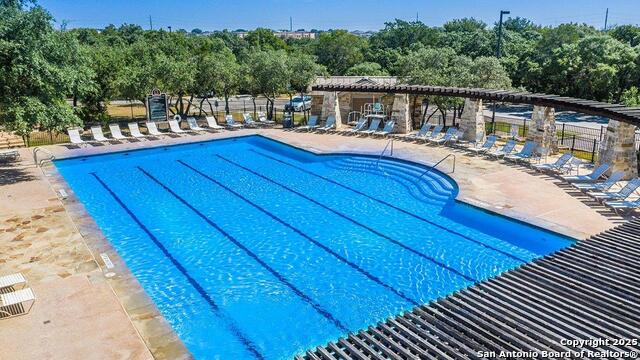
438 163
390 142
35 156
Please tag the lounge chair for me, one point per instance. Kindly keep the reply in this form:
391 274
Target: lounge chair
421 134
623 205
328 125
213 124
525 153
74 136
12 280
388 128
593 177
96 131
175 127
311 124
471 144
444 138
507 149
488 145
8 302
262 118
248 120
134 130
557 165
193 124
152 129
435 133
231 124
622 194
373 127
601 186
456 138
360 125
9 154
116 133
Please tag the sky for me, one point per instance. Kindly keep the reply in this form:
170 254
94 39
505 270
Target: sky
329 14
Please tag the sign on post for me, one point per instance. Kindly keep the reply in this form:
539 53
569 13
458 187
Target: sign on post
157 107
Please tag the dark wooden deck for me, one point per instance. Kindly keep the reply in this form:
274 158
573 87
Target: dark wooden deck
589 290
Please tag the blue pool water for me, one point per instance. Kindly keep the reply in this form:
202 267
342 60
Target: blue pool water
254 249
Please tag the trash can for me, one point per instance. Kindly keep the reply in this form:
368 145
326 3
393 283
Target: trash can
287 121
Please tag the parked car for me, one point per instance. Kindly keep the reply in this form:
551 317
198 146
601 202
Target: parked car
300 104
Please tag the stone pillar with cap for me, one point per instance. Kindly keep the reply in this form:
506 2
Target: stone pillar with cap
472 119
618 148
331 107
542 130
400 113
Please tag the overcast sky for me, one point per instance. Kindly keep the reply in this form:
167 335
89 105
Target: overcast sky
330 14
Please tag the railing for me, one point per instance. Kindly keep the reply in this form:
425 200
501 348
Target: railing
390 142
438 163
35 156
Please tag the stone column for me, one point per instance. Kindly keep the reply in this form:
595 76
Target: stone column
472 119
618 149
331 107
542 130
400 112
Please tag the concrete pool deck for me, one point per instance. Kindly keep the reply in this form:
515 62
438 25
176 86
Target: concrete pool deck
58 247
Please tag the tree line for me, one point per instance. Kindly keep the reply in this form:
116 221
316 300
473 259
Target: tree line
53 79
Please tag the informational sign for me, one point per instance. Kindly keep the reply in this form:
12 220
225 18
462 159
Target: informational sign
157 107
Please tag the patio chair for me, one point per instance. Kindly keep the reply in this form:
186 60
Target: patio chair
471 144
10 303
212 123
9 154
262 118
623 205
152 129
248 120
193 124
328 125
116 133
231 124
435 133
12 280
134 130
622 194
360 125
421 134
96 132
557 165
507 149
593 177
444 138
175 127
388 128
74 136
456 138
601 186
373 127
485 147
525 153
311 124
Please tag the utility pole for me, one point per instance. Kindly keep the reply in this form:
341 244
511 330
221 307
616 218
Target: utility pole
290 24
417 17
606 19
169 29
502 12
150 23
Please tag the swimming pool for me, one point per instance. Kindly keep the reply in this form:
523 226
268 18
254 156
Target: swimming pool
254 249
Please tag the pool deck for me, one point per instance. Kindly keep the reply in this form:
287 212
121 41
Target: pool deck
58 247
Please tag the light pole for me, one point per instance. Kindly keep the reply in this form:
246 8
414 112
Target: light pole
502 12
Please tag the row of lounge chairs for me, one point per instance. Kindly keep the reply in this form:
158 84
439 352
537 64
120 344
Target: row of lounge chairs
359 129
174 128
14 301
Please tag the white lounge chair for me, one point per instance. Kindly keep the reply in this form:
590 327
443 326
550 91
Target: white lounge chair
96 132
329 124
193 124
373 127
175 127
9 154
12 280
115 132
248 120
593 177
557 165
311 124
134 130
74 137
262 118
18 297
152 129
388 129
622 194
213 124
231 124
601 186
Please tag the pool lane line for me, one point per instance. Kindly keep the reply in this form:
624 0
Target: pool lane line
374 231
235 330
305 236
235 241
416 216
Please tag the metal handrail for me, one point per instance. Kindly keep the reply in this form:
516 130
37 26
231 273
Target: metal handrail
390 142
35 156
438 163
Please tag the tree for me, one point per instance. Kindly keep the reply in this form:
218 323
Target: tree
269 72
264 39
219 72
367 69
302 72
339 50
629 34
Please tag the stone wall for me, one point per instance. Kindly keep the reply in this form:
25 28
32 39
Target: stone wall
543 128
400 113
472 119
618 148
